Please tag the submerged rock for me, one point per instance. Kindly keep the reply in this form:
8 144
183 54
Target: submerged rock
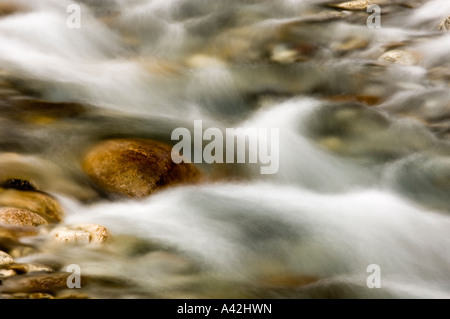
136 167
423 178
402 57
5 259
81 234
15 232
44 112
444 25
40 295
351 44
35 283
8 8
20 217
18 184
40 203
73 236
22 250
285 281
98 233
4 273
18 169
286 53
30 268
71 295
357 131
366 99
358 4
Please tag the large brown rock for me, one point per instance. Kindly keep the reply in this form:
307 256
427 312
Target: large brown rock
20 217
136 167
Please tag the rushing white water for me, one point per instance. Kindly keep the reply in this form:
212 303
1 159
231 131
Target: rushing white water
356 185
246 231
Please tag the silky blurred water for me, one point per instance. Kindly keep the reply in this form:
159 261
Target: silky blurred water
358 183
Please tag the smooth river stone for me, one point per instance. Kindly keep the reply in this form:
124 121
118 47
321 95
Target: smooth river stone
40 203
20 217
136 167
81 234
5 259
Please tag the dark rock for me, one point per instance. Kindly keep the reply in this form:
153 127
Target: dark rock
18 184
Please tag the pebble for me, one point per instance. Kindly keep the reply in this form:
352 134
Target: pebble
402 57
73 236
30 268
203 61
40 203
5 259
7 273
136 167
23 295
444 25
282 54
20 217
358 4
40 295
81 234
350 44
36 283
71 295
98 233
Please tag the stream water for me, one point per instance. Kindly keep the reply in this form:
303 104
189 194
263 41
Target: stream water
364 157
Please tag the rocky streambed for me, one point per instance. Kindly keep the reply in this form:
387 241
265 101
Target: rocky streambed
95 203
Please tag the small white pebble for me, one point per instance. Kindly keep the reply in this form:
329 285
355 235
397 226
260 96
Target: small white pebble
66 235
81 234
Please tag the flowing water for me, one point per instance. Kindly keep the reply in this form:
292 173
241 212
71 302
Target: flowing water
364 158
